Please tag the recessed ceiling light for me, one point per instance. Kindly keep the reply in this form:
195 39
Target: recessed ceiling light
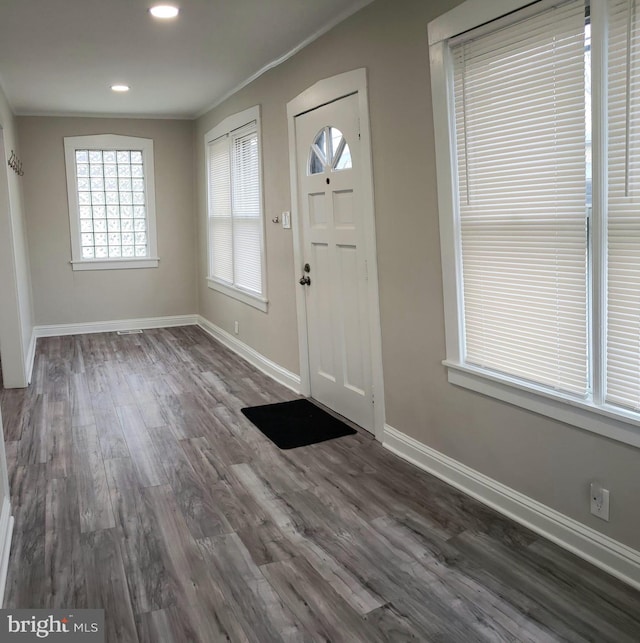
164 11
120 88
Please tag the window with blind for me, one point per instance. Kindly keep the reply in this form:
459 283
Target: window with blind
623 215
520 131
537 117
235 208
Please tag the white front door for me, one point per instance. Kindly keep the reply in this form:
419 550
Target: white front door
329 170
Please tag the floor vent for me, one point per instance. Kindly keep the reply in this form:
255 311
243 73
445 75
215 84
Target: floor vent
129 332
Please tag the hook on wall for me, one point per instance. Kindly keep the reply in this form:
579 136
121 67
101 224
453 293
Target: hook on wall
15 164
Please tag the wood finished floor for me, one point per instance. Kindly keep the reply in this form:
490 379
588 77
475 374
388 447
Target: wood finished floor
139 487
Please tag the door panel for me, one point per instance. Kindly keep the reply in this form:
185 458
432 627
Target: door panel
353 368
320 308
329 179
317 210
343 209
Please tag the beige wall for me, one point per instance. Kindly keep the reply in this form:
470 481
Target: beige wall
16 319
546 460
64 296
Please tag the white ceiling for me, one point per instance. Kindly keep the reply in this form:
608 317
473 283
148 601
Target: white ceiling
62 56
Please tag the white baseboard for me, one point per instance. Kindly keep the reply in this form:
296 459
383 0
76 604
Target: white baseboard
610 555
6 533
262 363
55 330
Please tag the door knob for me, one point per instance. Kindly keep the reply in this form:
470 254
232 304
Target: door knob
305 281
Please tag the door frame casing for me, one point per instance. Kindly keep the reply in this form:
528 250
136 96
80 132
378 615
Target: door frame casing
321 93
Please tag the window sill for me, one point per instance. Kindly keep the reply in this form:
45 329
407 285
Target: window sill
246 298
616 424
115 264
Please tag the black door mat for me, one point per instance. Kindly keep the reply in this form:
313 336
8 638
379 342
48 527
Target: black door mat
296 424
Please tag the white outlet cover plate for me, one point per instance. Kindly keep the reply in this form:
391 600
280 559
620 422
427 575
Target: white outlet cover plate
599 501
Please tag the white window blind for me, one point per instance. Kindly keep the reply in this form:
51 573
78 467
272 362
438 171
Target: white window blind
246 212
220 225
623 312
520 133
235 212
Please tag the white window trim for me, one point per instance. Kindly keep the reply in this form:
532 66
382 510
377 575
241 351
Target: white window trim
110 142
237 293
596 416
228 125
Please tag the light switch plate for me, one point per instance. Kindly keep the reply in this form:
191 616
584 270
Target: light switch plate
286 220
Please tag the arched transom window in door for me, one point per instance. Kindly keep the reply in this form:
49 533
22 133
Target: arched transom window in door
329 152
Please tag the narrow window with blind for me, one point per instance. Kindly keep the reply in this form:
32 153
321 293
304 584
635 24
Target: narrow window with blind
537 117
520 131
235 221
623 216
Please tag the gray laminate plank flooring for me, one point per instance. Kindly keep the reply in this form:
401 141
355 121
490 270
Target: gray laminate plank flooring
138 486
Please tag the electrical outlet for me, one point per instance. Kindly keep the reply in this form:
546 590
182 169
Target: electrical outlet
236 327
599 501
